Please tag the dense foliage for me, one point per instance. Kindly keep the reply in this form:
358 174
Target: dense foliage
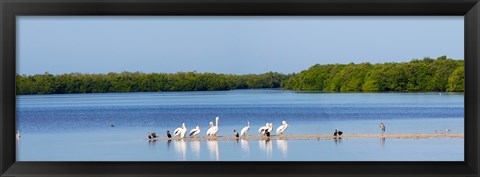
141 82
441 74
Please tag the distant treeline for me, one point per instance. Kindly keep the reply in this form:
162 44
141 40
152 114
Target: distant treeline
442 74
439 74
141 82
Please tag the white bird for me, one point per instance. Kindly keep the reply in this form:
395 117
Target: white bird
244 131
209 131
263 130
282 128
18 134
183 132
270 128
180 131
177 131
195 131
214 129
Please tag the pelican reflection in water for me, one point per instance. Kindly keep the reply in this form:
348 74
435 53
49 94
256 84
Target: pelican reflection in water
195 146
180 149
282 146
244 145
266 146
212 146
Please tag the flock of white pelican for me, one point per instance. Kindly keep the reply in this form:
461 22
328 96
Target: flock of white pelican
181 132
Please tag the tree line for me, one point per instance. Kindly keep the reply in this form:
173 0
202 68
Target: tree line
441 74
142 82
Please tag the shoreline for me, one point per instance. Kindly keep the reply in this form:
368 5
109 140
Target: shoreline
319 136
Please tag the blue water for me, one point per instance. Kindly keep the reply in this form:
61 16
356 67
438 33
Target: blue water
76 127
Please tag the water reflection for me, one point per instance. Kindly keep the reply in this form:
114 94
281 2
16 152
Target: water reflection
151 144
244 145
169 142
382 141
195 146
212 146
282 146
337 141
235 143
266 146
180 149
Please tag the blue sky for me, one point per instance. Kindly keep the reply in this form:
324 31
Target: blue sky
234 45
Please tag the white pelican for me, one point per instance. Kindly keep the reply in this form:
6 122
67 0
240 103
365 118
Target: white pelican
195 131
270 128
209 131
183 132
263 130
180 131
282 128
213 129
244 131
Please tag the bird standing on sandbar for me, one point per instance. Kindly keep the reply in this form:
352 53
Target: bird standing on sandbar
195 131
236 133
337 133
270 128
263 130
168 134
213 129
244 131
382 127
180 131
152 135
282 128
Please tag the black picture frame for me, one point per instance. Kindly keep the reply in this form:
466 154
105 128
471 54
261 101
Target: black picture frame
9 9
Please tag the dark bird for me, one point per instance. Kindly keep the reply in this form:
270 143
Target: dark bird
236 133
337 133
111 124
152 135
168 134
267 133
382 127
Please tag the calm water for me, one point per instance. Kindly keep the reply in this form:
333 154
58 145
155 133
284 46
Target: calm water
76 127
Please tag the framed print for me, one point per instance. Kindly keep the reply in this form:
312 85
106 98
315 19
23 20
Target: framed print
322 88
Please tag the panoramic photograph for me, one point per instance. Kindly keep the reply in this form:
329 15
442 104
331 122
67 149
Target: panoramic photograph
240 88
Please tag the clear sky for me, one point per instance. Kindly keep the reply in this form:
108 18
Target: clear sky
235 45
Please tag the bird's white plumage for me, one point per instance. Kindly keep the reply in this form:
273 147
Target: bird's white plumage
209 131
177 131
213 129
183 131
270 127
282 128
244 130
195 131
262 130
